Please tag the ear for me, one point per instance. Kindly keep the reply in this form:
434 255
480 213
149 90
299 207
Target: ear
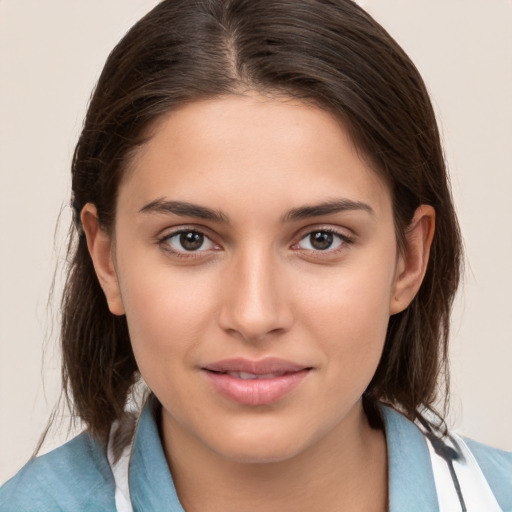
412 263
100 248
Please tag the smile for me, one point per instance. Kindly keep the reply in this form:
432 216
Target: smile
252 376
255 382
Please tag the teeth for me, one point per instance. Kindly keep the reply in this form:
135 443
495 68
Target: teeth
252 376
247 376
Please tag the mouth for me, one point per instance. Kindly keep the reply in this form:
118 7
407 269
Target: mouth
252 376
255 383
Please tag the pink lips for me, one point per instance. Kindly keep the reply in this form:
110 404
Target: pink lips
255 382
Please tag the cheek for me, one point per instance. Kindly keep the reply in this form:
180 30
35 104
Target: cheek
166 311
349 316
349 302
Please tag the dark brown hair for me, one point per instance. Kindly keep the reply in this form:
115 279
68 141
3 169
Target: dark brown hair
329 53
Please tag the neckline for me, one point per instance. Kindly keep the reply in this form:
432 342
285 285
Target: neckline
410 478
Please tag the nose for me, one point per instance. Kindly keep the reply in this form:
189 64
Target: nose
255 305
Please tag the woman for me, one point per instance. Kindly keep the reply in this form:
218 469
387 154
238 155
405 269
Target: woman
265 235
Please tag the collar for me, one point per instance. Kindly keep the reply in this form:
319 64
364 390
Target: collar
151 484
411 481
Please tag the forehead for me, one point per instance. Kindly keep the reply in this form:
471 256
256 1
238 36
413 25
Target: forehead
251 151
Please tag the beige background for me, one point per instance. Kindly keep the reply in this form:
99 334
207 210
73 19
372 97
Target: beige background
51 54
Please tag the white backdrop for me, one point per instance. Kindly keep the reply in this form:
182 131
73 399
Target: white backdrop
51 54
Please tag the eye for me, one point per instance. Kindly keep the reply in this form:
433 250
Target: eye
322 240
188 241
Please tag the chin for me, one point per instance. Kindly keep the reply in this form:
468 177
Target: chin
263 454
260 446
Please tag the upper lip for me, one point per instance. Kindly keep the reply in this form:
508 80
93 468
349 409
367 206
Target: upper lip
261 367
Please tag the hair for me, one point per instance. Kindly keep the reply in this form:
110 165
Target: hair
329 53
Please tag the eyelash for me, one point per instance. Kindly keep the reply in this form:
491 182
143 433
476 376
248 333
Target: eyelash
164 242
344 241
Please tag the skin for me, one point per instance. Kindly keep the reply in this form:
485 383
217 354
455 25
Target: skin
257 287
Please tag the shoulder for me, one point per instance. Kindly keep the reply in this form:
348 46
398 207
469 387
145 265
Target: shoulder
74 477
411 475
496 465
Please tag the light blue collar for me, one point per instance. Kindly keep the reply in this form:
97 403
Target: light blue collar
151 485
411 481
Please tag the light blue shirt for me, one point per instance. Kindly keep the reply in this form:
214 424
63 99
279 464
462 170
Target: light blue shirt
77 476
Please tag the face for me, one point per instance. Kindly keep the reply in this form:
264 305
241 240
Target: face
255 259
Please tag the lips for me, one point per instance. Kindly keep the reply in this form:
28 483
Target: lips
255 383
252 376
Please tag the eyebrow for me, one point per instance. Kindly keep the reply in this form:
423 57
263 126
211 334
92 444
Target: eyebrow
185 209
327 208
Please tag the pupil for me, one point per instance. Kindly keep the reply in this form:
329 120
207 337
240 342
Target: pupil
321 240
191 241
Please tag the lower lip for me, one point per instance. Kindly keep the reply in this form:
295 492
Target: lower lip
256 391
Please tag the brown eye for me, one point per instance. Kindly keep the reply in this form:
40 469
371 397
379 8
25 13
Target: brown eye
321 241
189 241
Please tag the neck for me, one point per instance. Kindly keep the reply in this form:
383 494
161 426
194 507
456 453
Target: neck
345 470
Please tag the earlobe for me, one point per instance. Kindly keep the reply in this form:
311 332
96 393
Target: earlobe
100 248
412 263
